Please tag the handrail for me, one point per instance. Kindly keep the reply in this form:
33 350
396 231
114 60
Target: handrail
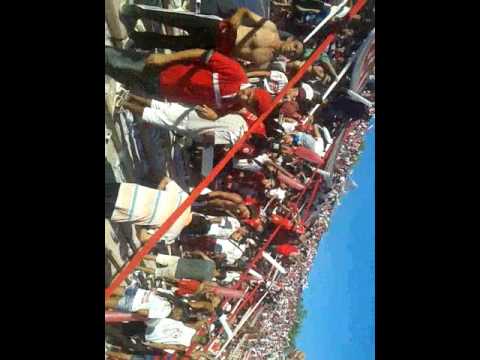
324 21
340 76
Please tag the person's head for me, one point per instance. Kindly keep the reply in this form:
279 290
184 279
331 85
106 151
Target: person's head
288 139
198 226
347 32
253 210
219 274
243 211
291 48
320 73
254 99
291 140
177 313
292 94
255 223
246 97
237 235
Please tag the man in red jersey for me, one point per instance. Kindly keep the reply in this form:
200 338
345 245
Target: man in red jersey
192 77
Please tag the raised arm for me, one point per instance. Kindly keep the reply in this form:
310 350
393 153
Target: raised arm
327 65
134 108
278 167
225 195
165 59
202 255
207 305
244 16
259 73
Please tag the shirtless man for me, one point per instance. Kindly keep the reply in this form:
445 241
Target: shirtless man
258 40
245 35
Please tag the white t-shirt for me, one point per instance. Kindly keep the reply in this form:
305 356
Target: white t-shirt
146 206
184 120
227 226
232 251
169 332
158 307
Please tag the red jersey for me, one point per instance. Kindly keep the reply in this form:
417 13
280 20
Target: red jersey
214 83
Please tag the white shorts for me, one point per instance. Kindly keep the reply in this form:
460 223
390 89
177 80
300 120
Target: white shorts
166 115
168 266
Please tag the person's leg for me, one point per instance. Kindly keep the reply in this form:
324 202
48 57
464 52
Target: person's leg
151 41
167 266
111 194
182 20
125 66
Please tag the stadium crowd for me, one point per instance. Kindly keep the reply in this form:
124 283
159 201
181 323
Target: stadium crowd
253 234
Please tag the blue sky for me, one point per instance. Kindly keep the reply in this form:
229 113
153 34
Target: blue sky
340 300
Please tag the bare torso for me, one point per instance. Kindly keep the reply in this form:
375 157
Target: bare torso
256 45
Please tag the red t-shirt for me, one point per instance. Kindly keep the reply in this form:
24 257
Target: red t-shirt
286 249
192 83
